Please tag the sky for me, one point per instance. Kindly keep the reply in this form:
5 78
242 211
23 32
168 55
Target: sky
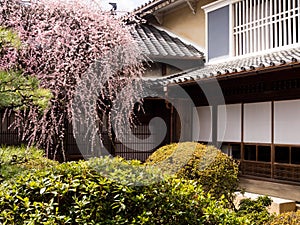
123 5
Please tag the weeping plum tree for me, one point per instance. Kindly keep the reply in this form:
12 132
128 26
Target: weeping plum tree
62 40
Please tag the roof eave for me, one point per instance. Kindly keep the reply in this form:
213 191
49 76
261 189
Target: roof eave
236 74
154 6
160 57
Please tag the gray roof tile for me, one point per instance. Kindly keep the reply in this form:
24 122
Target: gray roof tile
237 65
156 43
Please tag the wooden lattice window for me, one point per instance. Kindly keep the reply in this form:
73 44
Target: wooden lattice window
265 24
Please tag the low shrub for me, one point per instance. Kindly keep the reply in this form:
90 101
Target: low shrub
126 172
214 170
289 218
255 211
15 160
94 192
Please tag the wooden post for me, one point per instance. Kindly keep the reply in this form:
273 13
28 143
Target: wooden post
215 125
242 136
272 141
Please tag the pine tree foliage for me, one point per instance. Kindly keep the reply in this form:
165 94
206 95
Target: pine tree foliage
16 90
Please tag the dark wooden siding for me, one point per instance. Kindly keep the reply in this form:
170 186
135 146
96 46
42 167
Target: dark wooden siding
8 136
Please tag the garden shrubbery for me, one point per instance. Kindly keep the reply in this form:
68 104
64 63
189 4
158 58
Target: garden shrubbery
89 192
214 170
109 191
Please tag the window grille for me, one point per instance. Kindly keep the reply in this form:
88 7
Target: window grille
259 25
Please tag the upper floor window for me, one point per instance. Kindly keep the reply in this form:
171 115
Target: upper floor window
218 32
253 26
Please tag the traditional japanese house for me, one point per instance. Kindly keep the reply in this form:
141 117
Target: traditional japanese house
252 52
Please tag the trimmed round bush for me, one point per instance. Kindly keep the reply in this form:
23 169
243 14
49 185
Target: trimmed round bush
214 170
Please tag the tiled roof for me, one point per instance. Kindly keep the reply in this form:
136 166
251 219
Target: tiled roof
237 66
157 43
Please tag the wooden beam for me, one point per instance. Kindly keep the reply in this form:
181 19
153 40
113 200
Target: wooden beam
193 5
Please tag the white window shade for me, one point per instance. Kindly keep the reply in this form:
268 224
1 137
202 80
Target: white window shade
229 123
257 122
287 122
202 126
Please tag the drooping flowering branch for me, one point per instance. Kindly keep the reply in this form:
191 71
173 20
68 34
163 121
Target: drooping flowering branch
61 40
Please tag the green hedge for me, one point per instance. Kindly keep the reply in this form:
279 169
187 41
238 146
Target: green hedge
214 170
92 193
